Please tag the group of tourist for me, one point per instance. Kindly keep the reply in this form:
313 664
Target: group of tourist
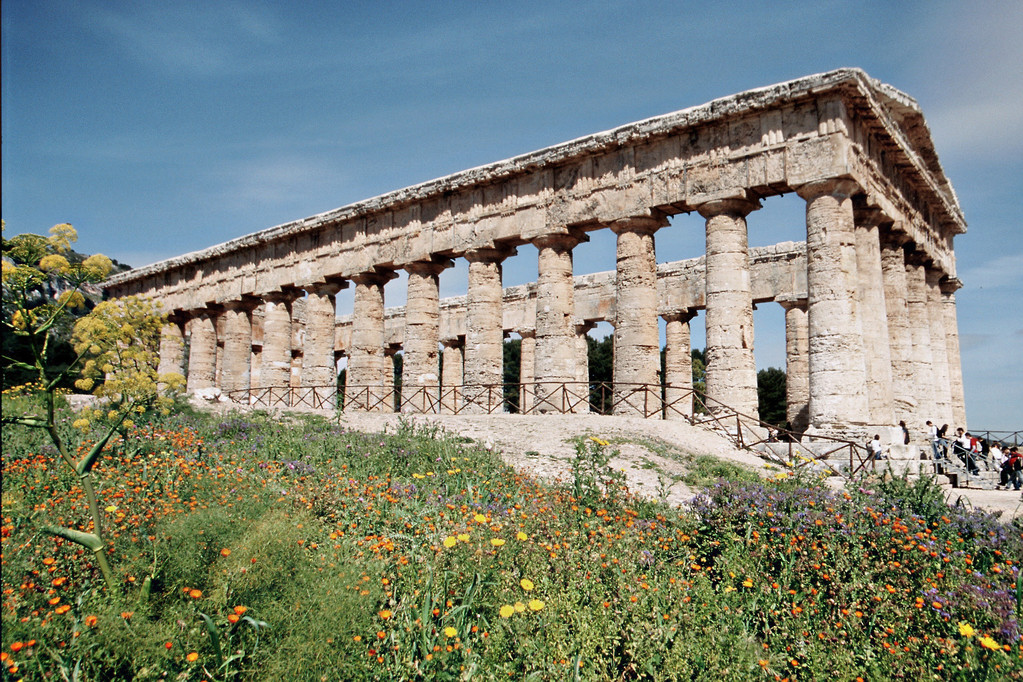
972 451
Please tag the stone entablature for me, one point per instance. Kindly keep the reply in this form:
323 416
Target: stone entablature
868 298
759 143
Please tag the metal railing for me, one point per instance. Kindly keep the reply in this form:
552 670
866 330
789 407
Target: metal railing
1006 437
578 397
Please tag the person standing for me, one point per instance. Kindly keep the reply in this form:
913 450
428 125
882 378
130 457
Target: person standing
932 430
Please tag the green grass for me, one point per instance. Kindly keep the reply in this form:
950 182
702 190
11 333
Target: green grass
262 549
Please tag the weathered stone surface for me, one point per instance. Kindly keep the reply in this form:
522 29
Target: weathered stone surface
202 353
839 139
172 349
731 368
678 366
369 381
921 357
636 342
420 382
451 376
955 372
837 369
556 352
484 336
797 366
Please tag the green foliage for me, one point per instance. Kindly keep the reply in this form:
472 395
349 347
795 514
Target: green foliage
267 549
771 399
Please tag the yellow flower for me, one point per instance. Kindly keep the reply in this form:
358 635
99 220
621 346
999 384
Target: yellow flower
535 605
747 583
450 631
966 630
73 299
526 584
464 537
98 265
519 607
62 236
54 263
520 535
450 542
497 542
507 611
80 424
989 643
111 508
479 518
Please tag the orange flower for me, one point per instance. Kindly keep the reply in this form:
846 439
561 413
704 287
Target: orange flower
192 656
233 618
195 594
385 614
167 645
90 621
225 552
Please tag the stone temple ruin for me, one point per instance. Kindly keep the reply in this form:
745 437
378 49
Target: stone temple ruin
869 298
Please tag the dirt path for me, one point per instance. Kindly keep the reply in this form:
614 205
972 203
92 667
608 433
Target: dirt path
657 456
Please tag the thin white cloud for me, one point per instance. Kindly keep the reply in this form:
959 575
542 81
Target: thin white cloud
204 40
1001 272
276 181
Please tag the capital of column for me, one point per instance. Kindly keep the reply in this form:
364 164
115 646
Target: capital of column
561 241
642 224
840 187
683 315
373 277
434 266
327 288
456 342
871 216
284 295
583 326
525 333
791 303
950 284
734 206
494 254
245 303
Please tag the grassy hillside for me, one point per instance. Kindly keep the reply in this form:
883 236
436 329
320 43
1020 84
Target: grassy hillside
250 548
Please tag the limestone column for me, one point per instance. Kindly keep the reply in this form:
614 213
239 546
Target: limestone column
922 356
451 379
391 395
556 352
319 369
580 391
235 369
731 367
484 338
275 367
366 384
172 348
893 266
420 383
837 366
527 360
955 370
636 336
202 352
939 349
797 365
678 366
873 318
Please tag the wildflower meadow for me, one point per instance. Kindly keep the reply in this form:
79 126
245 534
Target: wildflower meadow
254 547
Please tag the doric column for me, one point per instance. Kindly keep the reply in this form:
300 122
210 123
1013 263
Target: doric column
949 286
873 317
527 360
419 381
555 359
579 393
319 368
731 367
922 357
484 338
451 375
797 365
939 349
636 337
235 372
202 352
368 385
172 347
275 367
678 366
837 366
893 267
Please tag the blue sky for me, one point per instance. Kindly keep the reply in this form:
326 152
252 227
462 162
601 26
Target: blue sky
161 128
